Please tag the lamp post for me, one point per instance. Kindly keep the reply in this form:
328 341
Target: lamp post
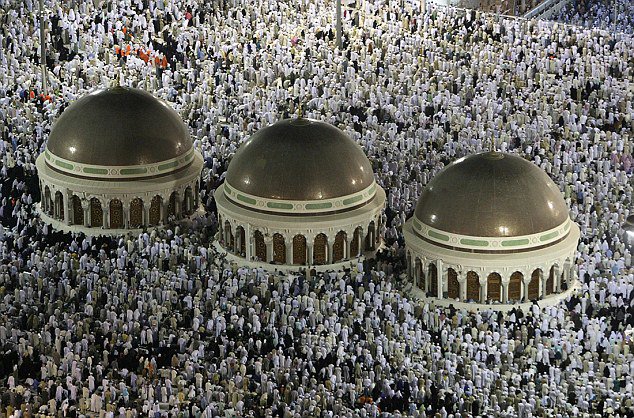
43 49
338 23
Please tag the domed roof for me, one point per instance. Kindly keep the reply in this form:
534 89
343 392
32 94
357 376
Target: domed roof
492 194
300 159
119 126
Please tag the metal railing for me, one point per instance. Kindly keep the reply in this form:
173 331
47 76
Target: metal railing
546 9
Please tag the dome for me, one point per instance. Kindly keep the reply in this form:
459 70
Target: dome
300 159
119 126
492 194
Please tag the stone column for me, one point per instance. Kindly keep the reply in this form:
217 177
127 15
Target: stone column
360 242
67 203
146 214
566 277
505 290
249 244
237 240
85 205
542 283
289 250
331 243
462 279
105 210
483 289
309 251
164 205
268 241
441 280
126 215
349 239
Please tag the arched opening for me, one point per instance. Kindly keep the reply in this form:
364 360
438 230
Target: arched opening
171 205
354 244
59 205
279 249
433 280
188 201
136 213
473 286
240 236
515 286
116 214
319 249
453 286
47 207
260 246
550 281
369 238
299 249
419 274
96 213
338 247
494 287
533 285
229 240
155 210
78 211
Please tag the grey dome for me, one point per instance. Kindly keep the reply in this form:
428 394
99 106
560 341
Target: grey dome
300 159
492 194
119 126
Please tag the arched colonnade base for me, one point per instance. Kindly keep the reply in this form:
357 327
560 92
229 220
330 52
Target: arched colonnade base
60 225
419 296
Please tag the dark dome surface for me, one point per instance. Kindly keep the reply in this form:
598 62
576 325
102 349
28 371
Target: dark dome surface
492 194
300 159
117 127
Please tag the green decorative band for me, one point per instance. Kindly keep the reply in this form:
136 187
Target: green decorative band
279 205
140 170
246 199
515 242
352 200
474 242
325 205
64 165
494 244
119 172
167 166
91 170
436 235
549 236
342 203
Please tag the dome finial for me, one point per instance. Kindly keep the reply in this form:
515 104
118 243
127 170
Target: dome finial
300 110
115 82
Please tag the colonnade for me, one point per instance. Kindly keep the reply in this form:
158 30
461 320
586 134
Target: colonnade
441 280
115 212
297 247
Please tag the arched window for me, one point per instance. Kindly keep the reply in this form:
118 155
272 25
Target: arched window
299 249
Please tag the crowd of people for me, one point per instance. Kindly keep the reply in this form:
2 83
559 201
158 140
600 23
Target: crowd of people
162 324
612 15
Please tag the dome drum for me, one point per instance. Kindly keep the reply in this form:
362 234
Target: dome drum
299 193
491 228
117 160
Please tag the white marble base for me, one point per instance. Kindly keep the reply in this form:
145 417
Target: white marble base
554 299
